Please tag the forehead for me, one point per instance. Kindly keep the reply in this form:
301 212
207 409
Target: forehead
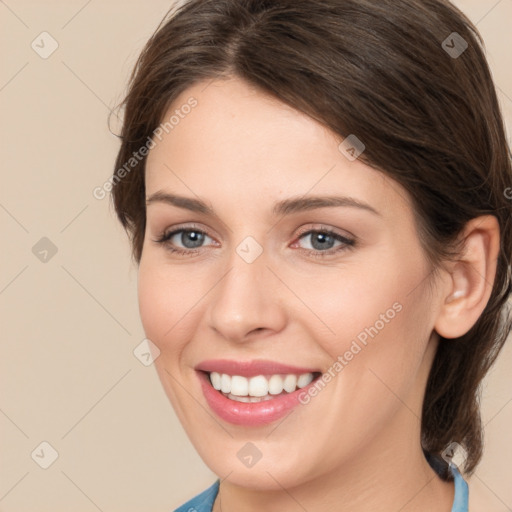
238 144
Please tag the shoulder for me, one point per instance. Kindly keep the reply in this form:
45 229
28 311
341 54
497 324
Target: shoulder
202 502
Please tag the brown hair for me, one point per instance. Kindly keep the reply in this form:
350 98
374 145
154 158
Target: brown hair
386 71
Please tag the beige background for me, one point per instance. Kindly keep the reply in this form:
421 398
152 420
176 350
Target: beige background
69 325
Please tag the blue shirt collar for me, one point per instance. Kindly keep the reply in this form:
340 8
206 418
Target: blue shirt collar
204 502
460 501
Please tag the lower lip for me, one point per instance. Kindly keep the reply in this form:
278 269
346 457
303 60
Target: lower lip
249 414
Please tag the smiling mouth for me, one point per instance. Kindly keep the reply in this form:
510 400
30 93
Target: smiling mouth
259 388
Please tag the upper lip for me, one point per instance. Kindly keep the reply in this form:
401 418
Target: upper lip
250 368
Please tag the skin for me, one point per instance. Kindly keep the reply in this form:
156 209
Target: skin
355 446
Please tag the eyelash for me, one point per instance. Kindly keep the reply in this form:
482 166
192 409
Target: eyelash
348 242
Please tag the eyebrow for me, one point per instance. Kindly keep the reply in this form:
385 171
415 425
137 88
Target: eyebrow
284 207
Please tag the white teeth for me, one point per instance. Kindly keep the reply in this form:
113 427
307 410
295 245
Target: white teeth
247 399
239 386
255 389
258 386
275 385
304 380
225 383
290 383
216 380
240 398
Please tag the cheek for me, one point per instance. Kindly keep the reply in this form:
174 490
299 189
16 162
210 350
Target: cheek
360 302
168 315
374 322
153 301
166 305
378 364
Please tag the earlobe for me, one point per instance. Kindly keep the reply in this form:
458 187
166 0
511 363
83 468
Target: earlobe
471 278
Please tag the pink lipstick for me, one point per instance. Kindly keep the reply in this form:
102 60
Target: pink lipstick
253 393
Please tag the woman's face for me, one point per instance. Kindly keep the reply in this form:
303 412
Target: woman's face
264 294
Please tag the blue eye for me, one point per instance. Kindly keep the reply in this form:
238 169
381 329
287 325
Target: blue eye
322 242
192 239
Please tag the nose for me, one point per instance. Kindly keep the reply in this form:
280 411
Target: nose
246 304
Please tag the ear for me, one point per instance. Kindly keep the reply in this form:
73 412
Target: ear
471 278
